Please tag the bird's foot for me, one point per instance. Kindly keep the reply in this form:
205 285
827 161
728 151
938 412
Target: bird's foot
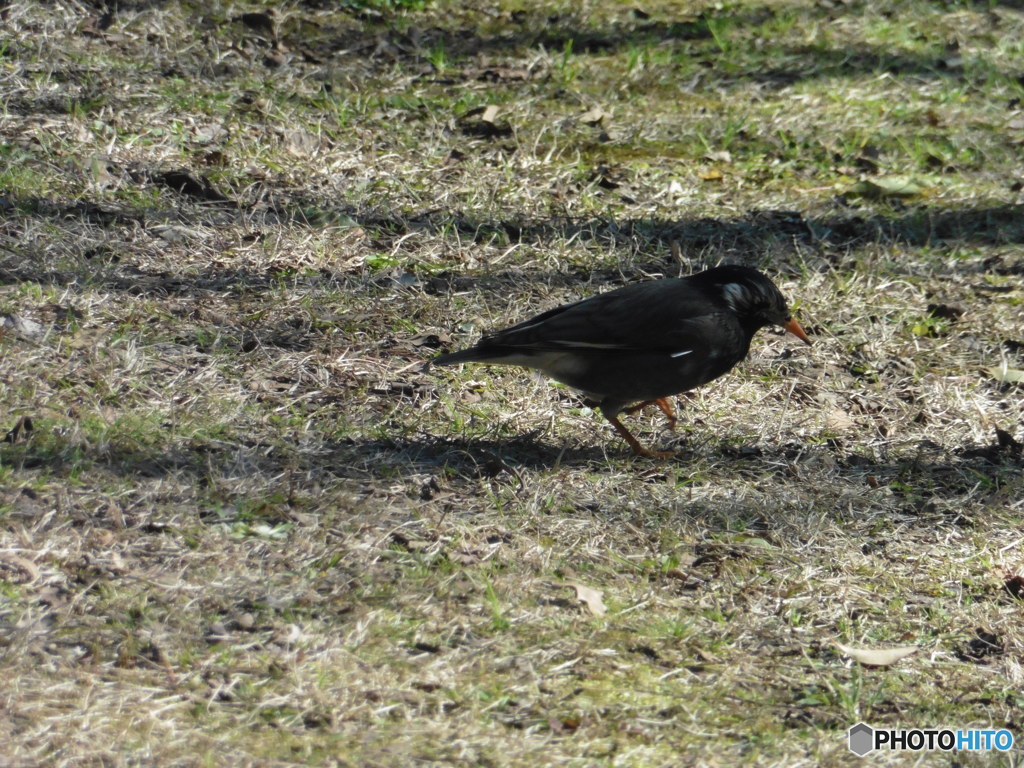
634 443
663 404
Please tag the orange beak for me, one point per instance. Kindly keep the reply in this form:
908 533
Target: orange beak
794 327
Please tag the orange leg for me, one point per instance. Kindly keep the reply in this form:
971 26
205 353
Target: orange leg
634 443
663 404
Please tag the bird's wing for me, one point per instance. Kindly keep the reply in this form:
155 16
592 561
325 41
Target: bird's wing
664 315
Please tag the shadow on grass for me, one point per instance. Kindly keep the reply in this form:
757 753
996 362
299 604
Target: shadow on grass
995 224
704 41
913 471
920 483
463 477
752 235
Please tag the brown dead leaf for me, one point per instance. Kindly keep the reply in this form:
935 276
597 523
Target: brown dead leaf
880 657
1007 375
592 598
21 327
29 569
209 133
593 116
490 113
174 233
838 420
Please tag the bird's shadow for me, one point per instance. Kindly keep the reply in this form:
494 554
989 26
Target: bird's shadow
481 457
924 463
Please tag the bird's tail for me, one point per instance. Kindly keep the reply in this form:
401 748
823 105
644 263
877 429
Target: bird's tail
471 355
485 352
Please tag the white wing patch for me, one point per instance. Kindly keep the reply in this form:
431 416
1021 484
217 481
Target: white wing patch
683 353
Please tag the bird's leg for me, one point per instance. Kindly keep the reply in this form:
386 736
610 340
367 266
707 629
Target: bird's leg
663 404
670 414
633 442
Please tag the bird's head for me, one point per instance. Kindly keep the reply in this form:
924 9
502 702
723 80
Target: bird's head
754 298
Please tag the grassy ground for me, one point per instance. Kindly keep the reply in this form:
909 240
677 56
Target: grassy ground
239 525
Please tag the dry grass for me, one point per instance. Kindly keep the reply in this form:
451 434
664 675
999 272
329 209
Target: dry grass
240 525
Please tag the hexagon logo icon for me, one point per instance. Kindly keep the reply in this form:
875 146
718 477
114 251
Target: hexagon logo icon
861 739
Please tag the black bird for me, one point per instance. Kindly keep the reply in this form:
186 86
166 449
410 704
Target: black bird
643 342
